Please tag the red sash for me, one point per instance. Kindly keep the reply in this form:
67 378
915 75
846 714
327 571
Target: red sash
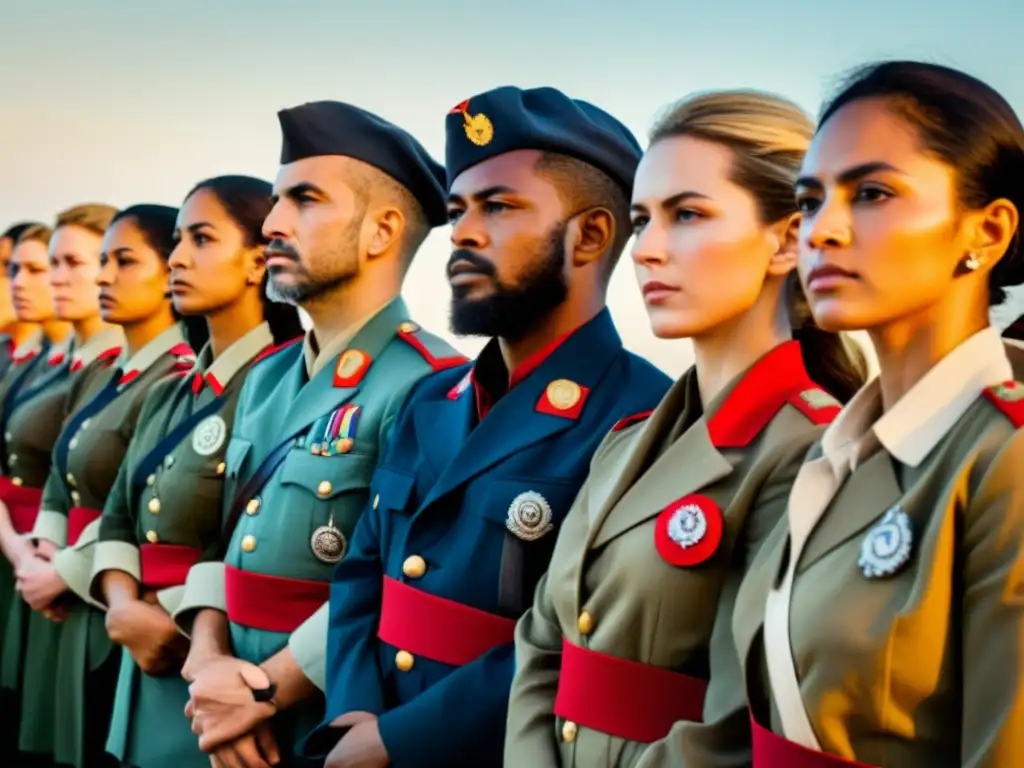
22 502
166 565
773 751
271 603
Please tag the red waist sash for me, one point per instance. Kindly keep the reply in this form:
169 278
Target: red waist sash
437 628
166 565
774 751
271 603
624 698
78 519
22 502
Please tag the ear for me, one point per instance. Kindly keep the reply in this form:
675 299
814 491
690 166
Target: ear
593 233
992 230
257 266
388 226
784 239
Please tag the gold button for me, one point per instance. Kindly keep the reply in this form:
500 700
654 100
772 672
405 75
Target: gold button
13 459
221 467
252 507
85 424
168 462
376 501
344 445
404 660
151 537
585 623
76 498
72 443
408 327
569 731
324 488
151 479
70 478
414 566
249 543
154 505
17 480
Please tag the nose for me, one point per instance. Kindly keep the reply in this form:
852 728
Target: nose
106 274
469 232
650 245
179 256
830 226
276 226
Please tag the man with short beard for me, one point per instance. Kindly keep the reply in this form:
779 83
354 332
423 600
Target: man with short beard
355 198
486 459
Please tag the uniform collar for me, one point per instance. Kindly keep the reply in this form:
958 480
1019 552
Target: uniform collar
144 358
58 351
109 338
218 373
919 420
30 347
317 356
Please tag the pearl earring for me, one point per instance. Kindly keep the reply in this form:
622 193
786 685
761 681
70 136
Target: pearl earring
971 263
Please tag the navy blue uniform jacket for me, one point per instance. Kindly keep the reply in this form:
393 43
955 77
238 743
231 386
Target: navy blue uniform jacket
442 491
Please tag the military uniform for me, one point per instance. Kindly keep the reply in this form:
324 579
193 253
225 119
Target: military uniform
31 425
881 622
615 651
161 514
87 456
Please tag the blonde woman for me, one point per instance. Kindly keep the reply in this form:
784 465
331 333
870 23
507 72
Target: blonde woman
615 650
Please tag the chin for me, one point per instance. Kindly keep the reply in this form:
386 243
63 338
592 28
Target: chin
836 316
673 324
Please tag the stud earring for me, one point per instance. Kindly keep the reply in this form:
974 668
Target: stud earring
971 263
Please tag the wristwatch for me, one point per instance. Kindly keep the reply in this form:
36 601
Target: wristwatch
265 694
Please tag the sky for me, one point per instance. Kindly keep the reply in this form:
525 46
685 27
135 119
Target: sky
130 101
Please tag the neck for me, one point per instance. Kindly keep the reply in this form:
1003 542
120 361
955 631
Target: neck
732 347
88 327
139 334
562 321
909 348
56 330
333 313
231 323
19 332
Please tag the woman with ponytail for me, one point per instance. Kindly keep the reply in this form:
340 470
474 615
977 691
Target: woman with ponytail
614 658
881 622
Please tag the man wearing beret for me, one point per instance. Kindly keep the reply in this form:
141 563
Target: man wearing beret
355 198
487 458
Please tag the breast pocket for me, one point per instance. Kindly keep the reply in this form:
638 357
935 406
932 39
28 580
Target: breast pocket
391 491
238 451
317 488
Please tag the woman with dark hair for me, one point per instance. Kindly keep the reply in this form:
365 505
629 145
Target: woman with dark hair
881 623
75 694
164 509
12 331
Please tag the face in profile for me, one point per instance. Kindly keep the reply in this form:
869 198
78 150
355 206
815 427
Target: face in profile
30 282
6 302
74 266
314 228
881 237
212 265
701 252
507 269
134 279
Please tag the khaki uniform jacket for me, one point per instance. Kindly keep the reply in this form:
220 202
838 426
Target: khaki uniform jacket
882 620
609 590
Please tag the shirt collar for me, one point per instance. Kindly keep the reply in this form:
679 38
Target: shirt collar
316 357
30 346
153 351
110 337
235 357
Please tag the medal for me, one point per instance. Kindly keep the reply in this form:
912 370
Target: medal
688 531
209 435
328 543
529 516
887 546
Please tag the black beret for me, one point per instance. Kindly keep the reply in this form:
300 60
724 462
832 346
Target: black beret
333 128
508 118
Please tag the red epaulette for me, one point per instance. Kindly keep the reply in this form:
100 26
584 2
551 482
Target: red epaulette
108 356
629 421
409 333
275 348
1008 397
816 404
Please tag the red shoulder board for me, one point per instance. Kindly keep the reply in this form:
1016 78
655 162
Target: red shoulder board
1008 397
408 332
108 356
816 404
629 421
274 349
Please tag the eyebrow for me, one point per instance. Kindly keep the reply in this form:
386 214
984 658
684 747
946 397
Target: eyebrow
850 175
195 227
673 201
297 190
483 194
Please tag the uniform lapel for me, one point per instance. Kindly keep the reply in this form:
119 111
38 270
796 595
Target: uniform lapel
765 572
514 423
445 425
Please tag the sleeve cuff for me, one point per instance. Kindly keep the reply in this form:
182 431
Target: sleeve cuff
114 556
204 588
52 526
170 598
75 564
308 645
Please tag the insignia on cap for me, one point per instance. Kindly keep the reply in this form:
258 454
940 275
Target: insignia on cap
209 435
529 516
351 368
886 547
563 394
479 128
688 531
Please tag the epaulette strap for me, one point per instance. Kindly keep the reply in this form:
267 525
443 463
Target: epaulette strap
1008 397
816 404
409 332
629 421
273 350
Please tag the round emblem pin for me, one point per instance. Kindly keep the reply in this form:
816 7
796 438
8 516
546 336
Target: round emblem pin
328 543
688 531
529 516
887 546
350 362
564 394
479 128
209 435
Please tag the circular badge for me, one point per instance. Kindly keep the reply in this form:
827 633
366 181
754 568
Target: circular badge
479 128
328 544
209 435
529 516
564 394
688 531
886 547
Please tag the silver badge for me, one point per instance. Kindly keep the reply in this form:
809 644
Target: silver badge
529 516
209 435
688 526
886 547
328 543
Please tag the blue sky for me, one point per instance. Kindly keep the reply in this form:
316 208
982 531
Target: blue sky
125 101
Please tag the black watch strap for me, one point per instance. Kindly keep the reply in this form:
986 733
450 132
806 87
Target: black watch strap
265 694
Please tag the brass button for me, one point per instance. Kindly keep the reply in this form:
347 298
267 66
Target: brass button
585 623
414 566
324 488
72 443
344 445
253 506
13 459
249 543
376 501
221 467
151 479
151 537
404 660
168 462
76 498
569 731
154 505
408 327
70 478
17 480
85 424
